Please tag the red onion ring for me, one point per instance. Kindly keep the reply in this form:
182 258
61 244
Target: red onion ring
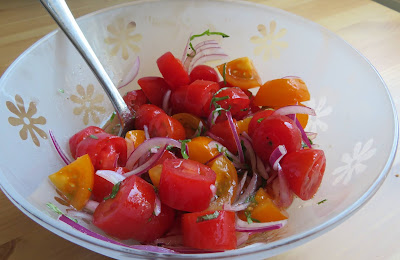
285 194
235 136
165 102
133 72
157 206
197 60
235 207
251 188
311 135
88 232
242 237
303 134
212 159
294 109
146 146
91 205
148 164
243 226
261 169
146 132
111 176
276 156
60 152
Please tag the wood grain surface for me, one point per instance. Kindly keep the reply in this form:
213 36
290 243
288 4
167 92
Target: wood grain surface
370 27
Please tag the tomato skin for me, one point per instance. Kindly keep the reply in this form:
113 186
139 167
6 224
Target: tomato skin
145 114
78 137
304 171
240 73
200 151
274 131
259 116
191 124
154 88
223 134
198 97
213 234
133 207
177 100
105 150
203 72
236 102
172 70
163 125
185 185
135 99
102 188
250 110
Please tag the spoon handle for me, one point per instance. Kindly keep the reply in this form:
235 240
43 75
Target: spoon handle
60 12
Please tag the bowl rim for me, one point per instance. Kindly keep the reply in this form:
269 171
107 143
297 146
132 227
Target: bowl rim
283 244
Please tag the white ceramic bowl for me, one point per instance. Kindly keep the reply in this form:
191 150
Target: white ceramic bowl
50 87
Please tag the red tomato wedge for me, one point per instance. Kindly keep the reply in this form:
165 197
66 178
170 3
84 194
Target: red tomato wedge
102 187
154 88
185 185
198 97
274 131
145 114
233 99
172 70
135 99
75 181
303 171
162 125
105 150
223 134
257 119
212 230
130 214
203 72
78 137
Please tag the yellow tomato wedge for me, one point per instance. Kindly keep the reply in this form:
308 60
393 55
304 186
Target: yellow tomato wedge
262 209
200 151
155 175
136 136
75 181
190 122
243 125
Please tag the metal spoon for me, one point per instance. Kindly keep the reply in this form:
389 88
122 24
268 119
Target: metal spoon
60 12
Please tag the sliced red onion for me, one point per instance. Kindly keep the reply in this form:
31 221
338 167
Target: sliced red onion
133 72
235 207
157 206
184 55
276 156
60 152
88 232
111 176
200 59
250 153
146 132
198 47
242 237
246 135
205 43
311 135
176 240
243 226
241 185
148 164
303 134
91 205
79 215
199 129
212 159
212 118
251 188
272 177
261 169
165 102
292 116
223 149
235 136
295 109
285 194
146 146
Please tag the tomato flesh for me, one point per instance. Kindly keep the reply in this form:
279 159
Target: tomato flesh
304 171
203 72
223 134
78 137
102 187
135 99
145 114
233 99
172 70
154 88
214 234
185 185
163 125
257 119
198 97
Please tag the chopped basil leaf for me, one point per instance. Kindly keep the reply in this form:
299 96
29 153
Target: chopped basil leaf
260 119
322 201
244 109
250 220
89 189
112 116
183 148
224 74
208 217
114 191
251 199
93 136
169 147
208 33
58 211
61 90
311 142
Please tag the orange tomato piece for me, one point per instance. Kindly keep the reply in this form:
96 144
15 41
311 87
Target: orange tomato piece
199 149
190 122
282 92
240 73
75 181
136 136
155 175
263 209
226 181
243 125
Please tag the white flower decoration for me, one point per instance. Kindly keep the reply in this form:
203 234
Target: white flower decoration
354 163
322 110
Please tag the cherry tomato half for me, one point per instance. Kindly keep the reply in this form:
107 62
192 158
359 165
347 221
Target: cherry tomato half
135 99
240 73
223 134
154 88
203 72
162 125
213 230
185 185
198 97
172 70
130 214
233 99
145 114
192 124
257 119
78 137
273 131
303 171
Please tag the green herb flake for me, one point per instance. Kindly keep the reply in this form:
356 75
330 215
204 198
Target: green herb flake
169 147
93 136
311 142
322 201
251 199
208 217
250 220
114 191
61 90
89 189
260 119
58 211
112 116
183 148
208 33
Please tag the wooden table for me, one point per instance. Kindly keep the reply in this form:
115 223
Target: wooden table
370 27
